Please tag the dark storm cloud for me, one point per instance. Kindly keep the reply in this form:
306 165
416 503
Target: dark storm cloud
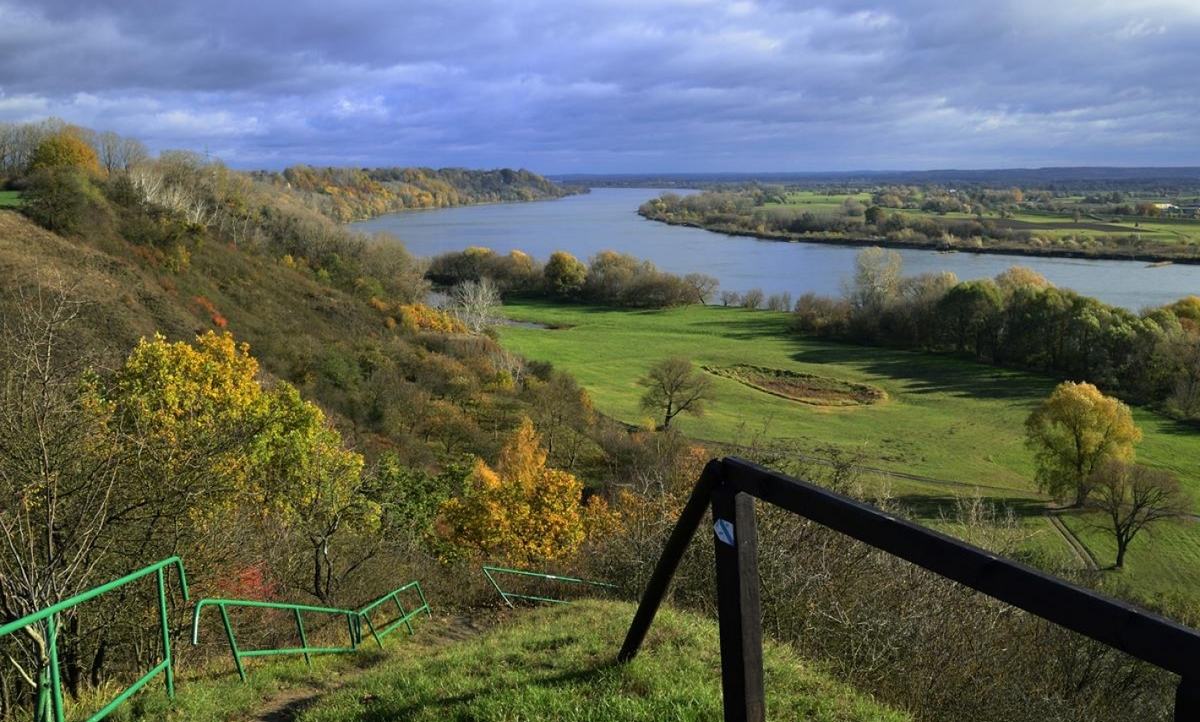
618 84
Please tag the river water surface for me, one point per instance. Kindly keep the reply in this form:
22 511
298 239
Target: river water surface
606 219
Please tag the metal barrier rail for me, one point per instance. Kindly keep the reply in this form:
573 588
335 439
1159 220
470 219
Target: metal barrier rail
239 654
353 618
405 617
49 695
506 596
730 486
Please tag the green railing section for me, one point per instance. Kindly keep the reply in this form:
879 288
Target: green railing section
354 620
296 609
405 618
49 694
509 596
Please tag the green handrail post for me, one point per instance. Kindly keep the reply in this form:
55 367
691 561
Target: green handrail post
304 639
49 703
506 596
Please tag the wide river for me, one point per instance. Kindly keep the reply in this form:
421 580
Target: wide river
607 219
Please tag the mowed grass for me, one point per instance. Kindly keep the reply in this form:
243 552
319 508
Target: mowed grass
943 418
560 664
10 199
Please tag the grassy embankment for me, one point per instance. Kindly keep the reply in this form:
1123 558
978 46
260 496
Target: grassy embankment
10 199
943 418
555 663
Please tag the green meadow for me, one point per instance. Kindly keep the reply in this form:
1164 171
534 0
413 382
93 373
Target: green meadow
943 418
10 199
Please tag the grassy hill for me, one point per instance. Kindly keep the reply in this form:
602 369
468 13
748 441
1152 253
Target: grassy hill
545 664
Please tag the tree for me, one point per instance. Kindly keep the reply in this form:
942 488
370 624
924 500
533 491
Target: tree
476 303
58 470
876 278
704 285
521 511
1072 432
65 149
674 386
1135 497
564 274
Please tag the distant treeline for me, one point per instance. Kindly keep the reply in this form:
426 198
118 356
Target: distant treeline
607 279
1056 179
910 216
1019 320
348 194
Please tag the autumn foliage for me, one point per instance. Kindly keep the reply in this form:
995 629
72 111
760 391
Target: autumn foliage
520 512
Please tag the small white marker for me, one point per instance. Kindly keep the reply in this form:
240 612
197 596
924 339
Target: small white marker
724 531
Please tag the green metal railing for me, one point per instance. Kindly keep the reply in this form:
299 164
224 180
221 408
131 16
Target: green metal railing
49 694
508 596
239 654
353 619
405 618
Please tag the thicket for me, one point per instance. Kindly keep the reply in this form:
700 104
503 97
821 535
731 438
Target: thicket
607 279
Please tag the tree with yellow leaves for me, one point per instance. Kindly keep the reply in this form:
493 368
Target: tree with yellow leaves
218 454
521 512
1072 432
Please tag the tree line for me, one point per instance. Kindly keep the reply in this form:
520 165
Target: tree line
607 278
1019 320
918 217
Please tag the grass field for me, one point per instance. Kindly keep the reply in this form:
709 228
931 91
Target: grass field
943 418
10 199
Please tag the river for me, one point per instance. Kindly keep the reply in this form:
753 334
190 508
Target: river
607 219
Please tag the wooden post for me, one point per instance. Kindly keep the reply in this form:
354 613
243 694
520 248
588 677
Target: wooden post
656 590
738 607
1187 701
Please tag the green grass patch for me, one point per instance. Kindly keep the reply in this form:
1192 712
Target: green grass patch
805 388
1162 560
10 199
560 664
944 418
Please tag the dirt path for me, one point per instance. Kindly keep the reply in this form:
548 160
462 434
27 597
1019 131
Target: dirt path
1082 554
287 704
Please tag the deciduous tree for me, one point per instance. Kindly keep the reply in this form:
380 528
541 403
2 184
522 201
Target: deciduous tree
521 511
674 386
1135 497
1072 432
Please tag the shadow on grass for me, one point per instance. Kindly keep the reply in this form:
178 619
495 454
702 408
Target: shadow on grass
932 507
377 710
1181 427
931 373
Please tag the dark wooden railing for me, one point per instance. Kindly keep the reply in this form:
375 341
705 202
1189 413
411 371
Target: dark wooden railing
730 486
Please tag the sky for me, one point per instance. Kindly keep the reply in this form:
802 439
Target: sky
619 86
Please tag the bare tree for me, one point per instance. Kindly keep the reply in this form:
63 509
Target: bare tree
57 472
674 386
705 286
1134 497
476 303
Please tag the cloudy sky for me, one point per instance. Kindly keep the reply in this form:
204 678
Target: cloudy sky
605 86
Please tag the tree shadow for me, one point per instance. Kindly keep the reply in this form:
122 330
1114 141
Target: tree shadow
921 508
927 373
378 710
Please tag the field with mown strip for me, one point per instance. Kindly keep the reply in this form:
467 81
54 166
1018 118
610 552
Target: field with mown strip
943 418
